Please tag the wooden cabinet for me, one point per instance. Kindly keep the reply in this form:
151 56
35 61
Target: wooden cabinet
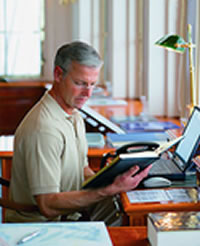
16 99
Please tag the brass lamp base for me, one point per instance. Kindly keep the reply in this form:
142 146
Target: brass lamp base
190 108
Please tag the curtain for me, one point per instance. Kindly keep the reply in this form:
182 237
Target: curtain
124 32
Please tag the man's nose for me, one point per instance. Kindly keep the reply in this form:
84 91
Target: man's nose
87 91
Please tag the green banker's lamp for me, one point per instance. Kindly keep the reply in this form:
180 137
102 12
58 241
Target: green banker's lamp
178 44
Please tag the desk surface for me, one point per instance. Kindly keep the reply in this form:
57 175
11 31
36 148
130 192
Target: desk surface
137 212
128 236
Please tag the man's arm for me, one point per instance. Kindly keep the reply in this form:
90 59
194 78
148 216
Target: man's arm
55 204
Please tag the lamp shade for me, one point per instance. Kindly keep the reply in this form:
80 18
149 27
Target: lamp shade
172 42
177 43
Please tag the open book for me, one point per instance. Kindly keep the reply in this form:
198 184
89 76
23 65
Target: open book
123 162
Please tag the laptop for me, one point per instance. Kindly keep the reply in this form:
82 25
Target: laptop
180 162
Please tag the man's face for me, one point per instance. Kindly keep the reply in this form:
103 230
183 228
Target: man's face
77 86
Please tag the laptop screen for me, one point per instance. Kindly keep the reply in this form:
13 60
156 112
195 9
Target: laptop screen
188 146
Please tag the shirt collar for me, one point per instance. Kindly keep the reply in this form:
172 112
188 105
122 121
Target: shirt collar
56 108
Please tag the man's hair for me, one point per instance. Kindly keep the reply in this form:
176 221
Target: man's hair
79 52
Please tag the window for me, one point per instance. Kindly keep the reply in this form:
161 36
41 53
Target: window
21 36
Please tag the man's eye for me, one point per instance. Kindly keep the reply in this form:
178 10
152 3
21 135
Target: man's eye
78 83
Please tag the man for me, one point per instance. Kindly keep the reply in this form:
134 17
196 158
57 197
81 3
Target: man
50 149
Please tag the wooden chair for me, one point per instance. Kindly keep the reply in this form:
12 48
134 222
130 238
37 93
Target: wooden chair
5 202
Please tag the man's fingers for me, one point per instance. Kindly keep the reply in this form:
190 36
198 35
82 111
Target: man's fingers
146 170
129 180
132 171
135 169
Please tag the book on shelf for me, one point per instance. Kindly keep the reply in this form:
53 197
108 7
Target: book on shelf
7 142
148 126
143 122
174 228
124 161
117 140
118 119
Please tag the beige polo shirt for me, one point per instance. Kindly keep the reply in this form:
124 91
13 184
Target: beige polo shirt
50 152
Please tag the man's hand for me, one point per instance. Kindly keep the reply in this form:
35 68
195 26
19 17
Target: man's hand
127 181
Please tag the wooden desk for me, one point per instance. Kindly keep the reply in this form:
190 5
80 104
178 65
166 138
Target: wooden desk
128 236
137 212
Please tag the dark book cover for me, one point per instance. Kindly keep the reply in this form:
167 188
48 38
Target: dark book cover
119 165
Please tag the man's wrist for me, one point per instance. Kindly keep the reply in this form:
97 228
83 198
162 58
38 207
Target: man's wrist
107 191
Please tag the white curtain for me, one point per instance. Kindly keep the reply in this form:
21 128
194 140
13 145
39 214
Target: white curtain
197 50
139 68
124 32
166 78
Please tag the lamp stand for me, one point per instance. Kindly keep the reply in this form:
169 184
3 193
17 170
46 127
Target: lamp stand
192 82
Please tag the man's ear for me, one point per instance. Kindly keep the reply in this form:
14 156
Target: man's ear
58 74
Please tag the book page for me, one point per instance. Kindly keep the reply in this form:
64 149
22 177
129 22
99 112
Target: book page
153 195
161 195
180 195
7 143
164 147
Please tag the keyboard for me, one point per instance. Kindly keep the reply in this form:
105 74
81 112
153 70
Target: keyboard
163 166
